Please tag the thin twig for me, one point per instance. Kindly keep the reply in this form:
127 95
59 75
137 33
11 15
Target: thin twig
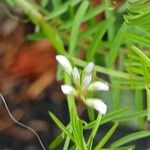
21 124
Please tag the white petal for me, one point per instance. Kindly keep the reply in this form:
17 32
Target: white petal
97 104
64 62
76 75
87 80
99 86
89 68
66 89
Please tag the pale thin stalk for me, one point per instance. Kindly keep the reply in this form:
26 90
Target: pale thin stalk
21 124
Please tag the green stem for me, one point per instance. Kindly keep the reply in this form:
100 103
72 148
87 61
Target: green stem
109 15
139 106
94 131
148 104
101 69
114 49
106 137
37 19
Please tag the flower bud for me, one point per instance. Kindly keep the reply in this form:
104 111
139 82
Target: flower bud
69 90
99 86
76 75
64 62
97 104
89 68
86 81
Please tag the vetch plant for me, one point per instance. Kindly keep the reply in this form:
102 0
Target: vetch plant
82 81
106 39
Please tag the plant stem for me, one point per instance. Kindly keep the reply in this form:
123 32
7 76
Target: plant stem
37 19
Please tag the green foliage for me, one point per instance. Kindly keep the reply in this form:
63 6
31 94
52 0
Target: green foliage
102 28
76 25
123 51
139 14
106 137
130 138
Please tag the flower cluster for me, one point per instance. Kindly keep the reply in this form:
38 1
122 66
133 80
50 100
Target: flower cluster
82 81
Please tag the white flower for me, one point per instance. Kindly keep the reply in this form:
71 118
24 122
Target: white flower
89 68
99 86
97 104
67 89
87 80
64 62
76 75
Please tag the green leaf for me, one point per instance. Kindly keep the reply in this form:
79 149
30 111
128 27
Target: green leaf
148 104
122 115
91 30
35 36
66 144
141 20
130 138
91 113
61 126
94 131
109 13
108 118
62 9
114 115
116 43
139 106
76 25
141 55
44 2
59 139
56 4
137 39
101 69
77 131
94 11
52 36
106 137
139 14
131 116
89 15
132 147
32 12
139 6
96 40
